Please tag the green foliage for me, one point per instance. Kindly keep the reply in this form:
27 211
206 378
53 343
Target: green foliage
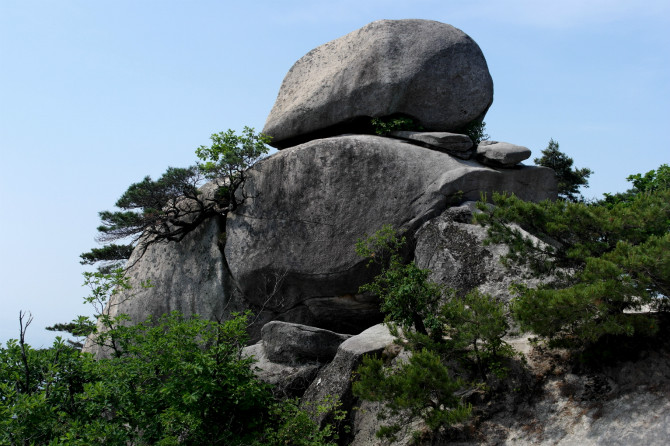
166 209
229 156
651 181
420 387
407 297
168 382
476 130
604 265
438 326
569 179
474 326
386 125
151 205
109 253
295 427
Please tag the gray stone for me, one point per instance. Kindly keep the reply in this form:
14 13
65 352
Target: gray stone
308 205
334 380
189 276
454 251
289 343
452 143
502 154
288 380
427 70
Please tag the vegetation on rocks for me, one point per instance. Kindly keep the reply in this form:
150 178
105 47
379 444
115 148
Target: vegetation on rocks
166 209
438 327
167 382
476 130
605 265
386 125
605 270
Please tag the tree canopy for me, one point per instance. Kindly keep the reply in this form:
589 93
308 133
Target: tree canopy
605 266
173 381
172 206
570 179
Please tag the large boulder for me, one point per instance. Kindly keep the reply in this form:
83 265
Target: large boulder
290 246
290 355
289 343
427 70
502 154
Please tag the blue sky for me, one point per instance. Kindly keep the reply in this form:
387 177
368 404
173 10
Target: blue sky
94 95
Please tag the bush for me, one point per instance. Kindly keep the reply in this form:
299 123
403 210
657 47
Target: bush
438 326
386 125
476 130
173 381
605 266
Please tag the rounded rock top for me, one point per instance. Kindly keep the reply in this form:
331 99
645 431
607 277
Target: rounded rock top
429 71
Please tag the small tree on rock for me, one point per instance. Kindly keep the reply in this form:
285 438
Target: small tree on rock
167 209
569 179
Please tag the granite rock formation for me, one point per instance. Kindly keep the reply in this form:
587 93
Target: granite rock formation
309 205
422 69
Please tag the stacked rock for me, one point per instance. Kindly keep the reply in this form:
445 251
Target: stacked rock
289 248
333 182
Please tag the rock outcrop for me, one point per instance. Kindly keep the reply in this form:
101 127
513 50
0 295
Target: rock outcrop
190 277
287 252
501 154
426 70
308 205
453 250
452 143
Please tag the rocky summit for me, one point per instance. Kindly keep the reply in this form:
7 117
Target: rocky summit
426 70
287 252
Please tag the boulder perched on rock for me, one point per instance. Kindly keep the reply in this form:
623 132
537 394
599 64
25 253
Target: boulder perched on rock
426 70
452 143
334 380
290 246
289 343
501 154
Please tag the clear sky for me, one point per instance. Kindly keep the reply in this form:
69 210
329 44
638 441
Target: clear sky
94 95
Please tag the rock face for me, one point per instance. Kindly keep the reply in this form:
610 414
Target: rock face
452 143
429 71
310 204
503 154
190 277
454 251
294 343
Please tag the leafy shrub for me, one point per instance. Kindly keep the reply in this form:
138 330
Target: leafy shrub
420 387
476 130
173 381
386 125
